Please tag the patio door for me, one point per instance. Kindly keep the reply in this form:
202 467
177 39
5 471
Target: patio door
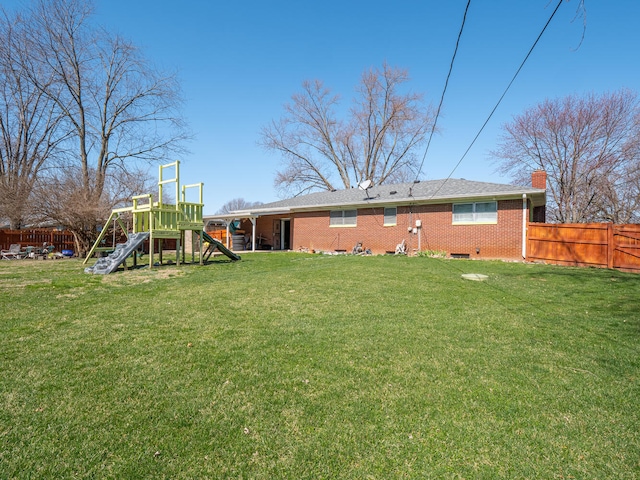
285 236
282 234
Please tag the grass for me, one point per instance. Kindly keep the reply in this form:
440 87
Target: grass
309 366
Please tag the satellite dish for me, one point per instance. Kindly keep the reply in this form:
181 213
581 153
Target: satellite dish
365 185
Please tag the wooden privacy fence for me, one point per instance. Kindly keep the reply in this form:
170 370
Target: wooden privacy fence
61 240
585 244
36 237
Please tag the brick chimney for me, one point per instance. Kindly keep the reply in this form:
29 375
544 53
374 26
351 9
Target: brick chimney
539 179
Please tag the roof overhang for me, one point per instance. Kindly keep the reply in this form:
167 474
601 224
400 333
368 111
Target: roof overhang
536 196
241 214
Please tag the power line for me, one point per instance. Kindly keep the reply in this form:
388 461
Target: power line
444 90
450 265
501 97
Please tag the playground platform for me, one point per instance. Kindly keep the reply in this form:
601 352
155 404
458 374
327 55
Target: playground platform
157 221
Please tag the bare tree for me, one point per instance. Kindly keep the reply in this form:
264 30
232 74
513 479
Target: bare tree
377 142
590 148
59 198
31 128
119 109
237 204
619 198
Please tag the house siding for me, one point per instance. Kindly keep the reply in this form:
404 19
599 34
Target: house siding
311 230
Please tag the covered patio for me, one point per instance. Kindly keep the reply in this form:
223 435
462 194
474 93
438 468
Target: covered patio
254 240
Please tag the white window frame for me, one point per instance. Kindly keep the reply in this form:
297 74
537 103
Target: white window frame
475 215
343 218
387 217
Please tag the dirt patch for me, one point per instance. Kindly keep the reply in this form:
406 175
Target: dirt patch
132 277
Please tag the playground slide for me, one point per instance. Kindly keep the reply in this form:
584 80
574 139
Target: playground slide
111 263
213 244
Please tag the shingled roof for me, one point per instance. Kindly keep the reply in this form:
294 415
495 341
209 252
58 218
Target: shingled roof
431 191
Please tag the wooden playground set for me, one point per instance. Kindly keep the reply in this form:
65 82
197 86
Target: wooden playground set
155 220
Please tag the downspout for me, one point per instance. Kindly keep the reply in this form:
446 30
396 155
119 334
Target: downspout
524 226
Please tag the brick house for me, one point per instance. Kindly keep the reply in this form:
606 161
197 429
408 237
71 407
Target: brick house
461 217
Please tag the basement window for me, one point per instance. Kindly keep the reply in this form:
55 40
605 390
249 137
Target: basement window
476 212
390 215
343 218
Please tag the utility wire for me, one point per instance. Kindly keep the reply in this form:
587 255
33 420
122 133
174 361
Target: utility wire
501 98
488 285
444 90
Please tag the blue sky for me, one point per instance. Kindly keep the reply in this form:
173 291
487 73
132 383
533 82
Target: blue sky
240 61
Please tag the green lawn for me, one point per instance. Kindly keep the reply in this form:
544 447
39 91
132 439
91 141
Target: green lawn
309 366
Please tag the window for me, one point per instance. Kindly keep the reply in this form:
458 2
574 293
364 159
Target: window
390 214
478 212
343 218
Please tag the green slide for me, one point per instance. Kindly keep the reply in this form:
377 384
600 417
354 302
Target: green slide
213 244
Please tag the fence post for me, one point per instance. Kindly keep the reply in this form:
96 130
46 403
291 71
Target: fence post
610 245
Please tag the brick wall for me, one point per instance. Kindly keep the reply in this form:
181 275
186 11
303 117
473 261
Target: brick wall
265 234
502 240
264 227
311 230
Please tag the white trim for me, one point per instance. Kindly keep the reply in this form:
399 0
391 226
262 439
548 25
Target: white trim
253 234
524 226
456 224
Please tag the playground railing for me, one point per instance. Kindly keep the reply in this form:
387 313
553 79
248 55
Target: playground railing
192 211
166 218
